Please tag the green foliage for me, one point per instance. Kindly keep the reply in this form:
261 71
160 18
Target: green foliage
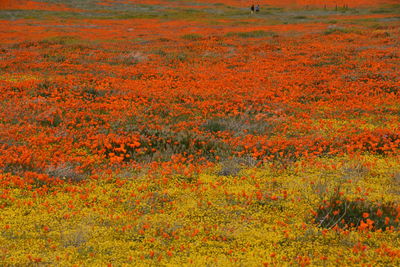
239 125
62 40
339 30
57 58
381 10
252 34
300 17
161 145
350 214
215 125
191 36
176 57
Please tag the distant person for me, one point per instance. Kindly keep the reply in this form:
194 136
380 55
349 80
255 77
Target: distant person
252 9
257 8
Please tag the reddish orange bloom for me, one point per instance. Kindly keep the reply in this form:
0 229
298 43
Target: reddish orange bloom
379 213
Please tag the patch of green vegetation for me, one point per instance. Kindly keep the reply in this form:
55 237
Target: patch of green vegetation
378 26
241 22
93 5
380 11
166 143
80 4
20 14
88 10
191 36
275 9
174 57
338 30
252 34
387 9
300 17
159 52
46 15
58 58
189 14
345 213
62 40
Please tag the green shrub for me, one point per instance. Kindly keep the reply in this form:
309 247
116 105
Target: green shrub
341 212
252 34
161 145
62 40
300 17
339 30
191 36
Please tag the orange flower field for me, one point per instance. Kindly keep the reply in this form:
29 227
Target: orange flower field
197 133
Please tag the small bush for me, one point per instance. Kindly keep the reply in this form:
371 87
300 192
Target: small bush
128 59
252 34
215 125
172 58
61 40
66 171
339 30
300 17
232 166
55 58
381 11
239 125
161 145
191 36
341 212
91 93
